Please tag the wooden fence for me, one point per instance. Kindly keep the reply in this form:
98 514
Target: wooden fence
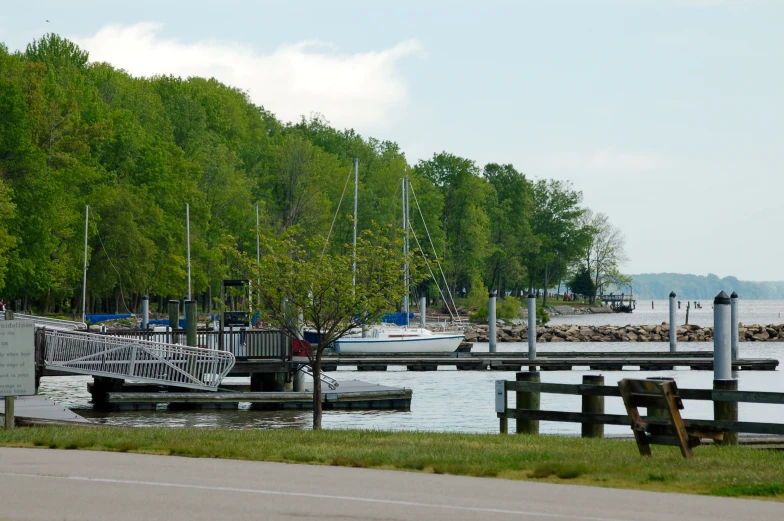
527 413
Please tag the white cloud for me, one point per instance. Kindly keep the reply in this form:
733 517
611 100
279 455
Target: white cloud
604 161
350 90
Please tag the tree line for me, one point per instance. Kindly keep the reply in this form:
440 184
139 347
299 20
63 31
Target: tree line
137 150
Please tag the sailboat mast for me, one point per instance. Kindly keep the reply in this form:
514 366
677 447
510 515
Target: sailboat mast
405 246
188 234
258 255
84 276
356 196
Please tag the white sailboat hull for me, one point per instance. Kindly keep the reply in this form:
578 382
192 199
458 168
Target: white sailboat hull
410 344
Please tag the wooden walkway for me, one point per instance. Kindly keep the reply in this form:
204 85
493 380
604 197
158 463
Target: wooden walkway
33 408
548 361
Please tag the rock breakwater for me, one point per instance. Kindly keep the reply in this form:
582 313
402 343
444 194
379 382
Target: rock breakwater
660 333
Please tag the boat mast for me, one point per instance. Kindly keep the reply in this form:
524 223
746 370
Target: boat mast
188 234
405 246
356 193
84 276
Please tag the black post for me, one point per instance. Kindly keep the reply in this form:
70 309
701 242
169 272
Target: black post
593 405
527 400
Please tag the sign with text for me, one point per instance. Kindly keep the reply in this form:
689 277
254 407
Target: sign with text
17 359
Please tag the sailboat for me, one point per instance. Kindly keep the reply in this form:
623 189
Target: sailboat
389 338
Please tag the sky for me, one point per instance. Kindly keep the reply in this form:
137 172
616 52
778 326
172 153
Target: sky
666 114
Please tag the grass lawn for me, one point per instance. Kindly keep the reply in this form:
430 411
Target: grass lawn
723 471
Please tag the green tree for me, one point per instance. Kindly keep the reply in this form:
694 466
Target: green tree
296 277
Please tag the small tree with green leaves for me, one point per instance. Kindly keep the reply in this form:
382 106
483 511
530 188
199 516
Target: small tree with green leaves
300 276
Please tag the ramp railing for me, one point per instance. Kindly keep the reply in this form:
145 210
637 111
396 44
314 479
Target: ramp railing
55 323
128 358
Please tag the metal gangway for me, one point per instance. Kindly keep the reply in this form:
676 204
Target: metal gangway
142 360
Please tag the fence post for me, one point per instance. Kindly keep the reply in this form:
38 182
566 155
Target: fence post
726 411
722 365
673 325
593 405
734 326
527 400
531 327
491 321
10 420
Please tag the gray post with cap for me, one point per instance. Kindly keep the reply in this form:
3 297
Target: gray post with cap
531 326
145 311
722 364
673 325
491 321
422 310
734 326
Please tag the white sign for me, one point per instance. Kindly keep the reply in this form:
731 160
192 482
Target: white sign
17 359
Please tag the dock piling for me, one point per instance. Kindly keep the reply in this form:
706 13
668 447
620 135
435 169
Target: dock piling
531 326
174 318
726 411
529 401
191 318
145 311
422 310
491 321
722 365
673 325
734 325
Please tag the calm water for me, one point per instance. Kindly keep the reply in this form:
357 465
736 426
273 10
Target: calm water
750 311
450 400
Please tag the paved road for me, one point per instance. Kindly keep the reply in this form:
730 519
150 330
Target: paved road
57 485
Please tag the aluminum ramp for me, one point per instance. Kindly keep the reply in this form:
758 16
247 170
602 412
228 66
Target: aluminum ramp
139 360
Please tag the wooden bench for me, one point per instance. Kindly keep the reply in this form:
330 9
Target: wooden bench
663 424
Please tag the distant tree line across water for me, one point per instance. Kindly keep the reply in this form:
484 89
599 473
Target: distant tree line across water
137 150
657 286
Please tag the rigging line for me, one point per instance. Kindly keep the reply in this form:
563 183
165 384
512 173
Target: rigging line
431 274
429 238
119 277
337 211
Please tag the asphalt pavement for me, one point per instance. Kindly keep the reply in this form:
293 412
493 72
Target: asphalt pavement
58 485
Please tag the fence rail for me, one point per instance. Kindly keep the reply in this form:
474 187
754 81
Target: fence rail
250 344
54 323
131 358
527 412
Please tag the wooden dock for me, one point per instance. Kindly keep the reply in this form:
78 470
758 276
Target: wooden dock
548 361
30 409
350 394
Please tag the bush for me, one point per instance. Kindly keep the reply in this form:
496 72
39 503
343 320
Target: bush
541 316
505 309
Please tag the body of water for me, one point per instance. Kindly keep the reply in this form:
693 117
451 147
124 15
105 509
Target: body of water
763 312
451 400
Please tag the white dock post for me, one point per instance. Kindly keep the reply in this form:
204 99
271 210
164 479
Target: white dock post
491 321
299 380
422 310
734 326
673 324
722 365
531 326
145 311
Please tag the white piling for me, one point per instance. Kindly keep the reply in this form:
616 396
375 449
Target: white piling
491 321
422 311
299 380
722 365
734 326
673 325
531 326
145 311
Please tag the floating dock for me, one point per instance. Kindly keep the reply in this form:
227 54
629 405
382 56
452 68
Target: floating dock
351 394
547 361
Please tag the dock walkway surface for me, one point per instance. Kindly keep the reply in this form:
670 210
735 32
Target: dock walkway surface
137 487
40 407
